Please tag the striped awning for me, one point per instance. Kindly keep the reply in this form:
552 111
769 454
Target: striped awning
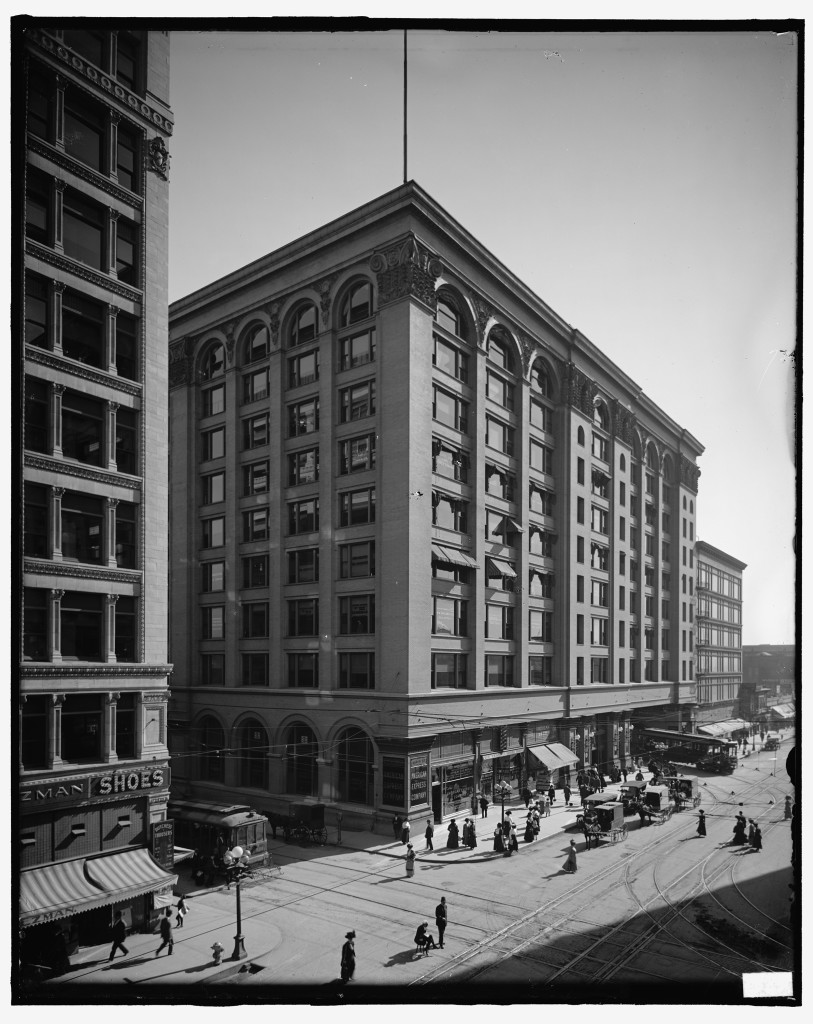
453 556
496 567
129 872
724 728
784 711
554 755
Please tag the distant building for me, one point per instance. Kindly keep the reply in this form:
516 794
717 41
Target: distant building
718 639
91 288
425 536
769 683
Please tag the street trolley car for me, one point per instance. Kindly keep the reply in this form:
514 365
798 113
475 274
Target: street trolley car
685 790
712 753
213 829
304 822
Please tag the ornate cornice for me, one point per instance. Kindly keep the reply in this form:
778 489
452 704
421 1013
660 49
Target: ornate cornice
159 695
83 572
406 269
56 362
93 74
689 473
579 390
624 422
66 163
40 670
42 252
52 465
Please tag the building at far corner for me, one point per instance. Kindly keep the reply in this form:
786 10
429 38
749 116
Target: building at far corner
768 694
718 638
425 536
90 141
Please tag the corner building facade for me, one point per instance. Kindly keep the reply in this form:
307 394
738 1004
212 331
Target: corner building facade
421 529
92 335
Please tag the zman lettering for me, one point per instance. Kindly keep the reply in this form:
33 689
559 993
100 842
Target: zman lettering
51 793
126 782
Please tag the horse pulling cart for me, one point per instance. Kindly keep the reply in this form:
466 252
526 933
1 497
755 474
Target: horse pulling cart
657 804
603 821
684 790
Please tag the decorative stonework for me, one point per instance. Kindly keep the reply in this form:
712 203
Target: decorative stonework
62 160
228 330
81 472
407 269
45 568
159 157
579 390
180 364
42 252
325 300
273 310
689 473
624 422
529 350
56 362
46 670
484 313
160 695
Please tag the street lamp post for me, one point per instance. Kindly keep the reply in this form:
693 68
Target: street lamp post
504 789
237 860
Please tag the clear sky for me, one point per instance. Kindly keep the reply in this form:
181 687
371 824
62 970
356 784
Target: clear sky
642 184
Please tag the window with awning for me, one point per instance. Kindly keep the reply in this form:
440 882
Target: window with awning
497 569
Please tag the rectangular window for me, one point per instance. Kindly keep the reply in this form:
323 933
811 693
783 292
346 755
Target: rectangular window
499 436
499 670
125 629
579 671
540 670
35 521
214 400
81 527
303 670
255 478
664 609
126 347
213 622
541 500
82 727
633 671
255 525
541 457
214 532
540 627
599 519
357 401
303 617
665 522
449 461
214 488
665 556
598 632
303 516
622 528
83 230
36 311
622 594
126 251
126 535
580 588
255 385
450 359
39 104
357 349
82 428
255 620
622 494
650 483
83 330
212 669
500 483
666 581
601 448
499 622
541 416
580 549
254 669
649 605
600 484
255 432
255 571
621 632
634 544
449 513
599 670
665 639
580 471
540 584
303 467
127 162
356 560
357 670
303 565
126 441
599 557
649 670
633 602
37 207
579 629
213 577
649 575
303 369
449 671
599 593
580 510
357 454
357 614
35 630
357 507
449 616
649 639
449 409
213 444
500 391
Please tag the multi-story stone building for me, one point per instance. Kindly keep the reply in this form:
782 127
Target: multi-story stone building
768 693
718 638
425 536
91 294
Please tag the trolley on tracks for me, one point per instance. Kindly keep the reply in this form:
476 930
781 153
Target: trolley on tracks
304 822
685 790
715 754
658 805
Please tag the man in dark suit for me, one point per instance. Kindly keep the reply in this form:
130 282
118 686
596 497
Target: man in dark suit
441 919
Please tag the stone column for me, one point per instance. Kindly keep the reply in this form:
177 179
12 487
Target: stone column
109 636
112 223
110 338
324 779
55 326
110 433
59 112
57 204
55 639
112 143
57 391
55 731
139 726
109 753
109 541
55 524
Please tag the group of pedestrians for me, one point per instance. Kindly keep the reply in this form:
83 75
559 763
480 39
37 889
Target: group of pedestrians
747 833
423 939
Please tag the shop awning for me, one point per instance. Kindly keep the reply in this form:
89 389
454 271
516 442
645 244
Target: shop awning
784 711
713 729
553 755
733 725
181 853
128 873
453 556
496 567
53 891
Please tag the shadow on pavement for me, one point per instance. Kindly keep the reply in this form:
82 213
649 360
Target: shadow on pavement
405 957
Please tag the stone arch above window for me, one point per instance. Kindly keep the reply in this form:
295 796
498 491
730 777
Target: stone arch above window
357 304
502 350
623 463
355 758
543 381
252 753
636 447
652 460
668 470
601 417
213 361
304 325
580 436
301 752
449 314
255 343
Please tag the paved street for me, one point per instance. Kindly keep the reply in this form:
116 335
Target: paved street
662 907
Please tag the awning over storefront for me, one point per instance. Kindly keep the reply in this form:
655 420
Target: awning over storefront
553 755
496 567
54 891
784 711
453 556
724 728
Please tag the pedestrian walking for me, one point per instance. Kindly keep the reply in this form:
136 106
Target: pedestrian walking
536 822
429 833
757 844
396 825
739 830
752 825
453 837
624 772
701 824
181 911
405 831
464 832
472 835
552 793
513 841
499 843
602 782
119 932
506 825
529 829
409 861
566 794
526 795
483 806
348 964
166 933
788 807
570 864
441 919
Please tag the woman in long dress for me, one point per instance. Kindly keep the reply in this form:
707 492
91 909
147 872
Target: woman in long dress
409 861
464 833
570 864
499 846
529 828
739 831
473 834
751 829
701 824
757 844
348 965
453 839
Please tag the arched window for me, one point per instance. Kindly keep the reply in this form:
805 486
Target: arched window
355 767
448 315
212 742
499 351
652 458
256 343
580 436
253 754
357 304
601 417
636 448
542 379
301 751
684 502
691 507
213 363
667 469
623 463
303 326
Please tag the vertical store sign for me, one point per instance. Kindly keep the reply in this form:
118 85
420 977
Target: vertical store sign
394 779
163 843
419 780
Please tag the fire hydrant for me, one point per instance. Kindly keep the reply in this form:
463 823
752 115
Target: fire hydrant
218 952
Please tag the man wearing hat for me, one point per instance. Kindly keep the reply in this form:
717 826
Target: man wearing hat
349 957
